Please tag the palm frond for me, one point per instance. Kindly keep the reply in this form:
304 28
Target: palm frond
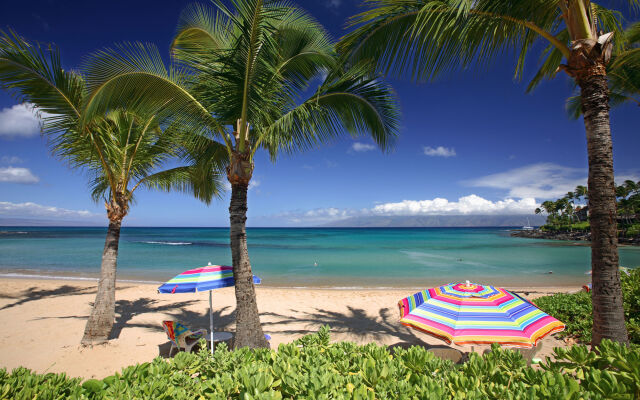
33 73
351 100
133 76
424 38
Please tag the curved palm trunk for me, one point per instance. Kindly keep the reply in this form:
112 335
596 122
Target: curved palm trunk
248 329
608 313
102 315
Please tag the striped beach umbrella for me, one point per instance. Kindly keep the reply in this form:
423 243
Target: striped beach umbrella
470 313
200 280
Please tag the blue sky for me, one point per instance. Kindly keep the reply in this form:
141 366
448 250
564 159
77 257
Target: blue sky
471 143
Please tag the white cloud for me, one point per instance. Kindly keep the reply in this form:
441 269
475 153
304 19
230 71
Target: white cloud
10 160
254 183
362 147
330 163
467 205
439 151
30 209
541 181
17 175
316 216
19 120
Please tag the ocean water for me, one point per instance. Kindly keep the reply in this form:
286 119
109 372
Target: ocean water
309 257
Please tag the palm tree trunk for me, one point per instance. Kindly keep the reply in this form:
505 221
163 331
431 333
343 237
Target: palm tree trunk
608 314
102 315
248 329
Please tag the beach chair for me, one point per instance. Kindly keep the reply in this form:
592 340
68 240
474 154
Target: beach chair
182 337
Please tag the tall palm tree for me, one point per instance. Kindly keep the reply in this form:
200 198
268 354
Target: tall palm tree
623 73
427 37
121 150
246 76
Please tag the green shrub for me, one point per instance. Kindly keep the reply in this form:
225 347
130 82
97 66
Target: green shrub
575 309
313 368
633 230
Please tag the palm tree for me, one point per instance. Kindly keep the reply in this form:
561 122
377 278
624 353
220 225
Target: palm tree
121 150
427 37
623 73
244 77
581 193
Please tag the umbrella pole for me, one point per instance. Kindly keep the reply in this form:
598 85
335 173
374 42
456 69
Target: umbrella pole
211 321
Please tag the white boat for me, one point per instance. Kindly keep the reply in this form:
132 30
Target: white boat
527 227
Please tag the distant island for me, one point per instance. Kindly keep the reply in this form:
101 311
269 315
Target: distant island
438 221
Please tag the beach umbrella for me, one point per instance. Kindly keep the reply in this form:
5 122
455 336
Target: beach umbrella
203 279
470 313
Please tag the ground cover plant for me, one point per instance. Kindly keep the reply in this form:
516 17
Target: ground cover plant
314 368
575 309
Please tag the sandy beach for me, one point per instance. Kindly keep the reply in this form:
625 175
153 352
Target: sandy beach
43 321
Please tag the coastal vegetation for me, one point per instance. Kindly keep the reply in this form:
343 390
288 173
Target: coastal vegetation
570 212
575 309
425 38
121 151
312 367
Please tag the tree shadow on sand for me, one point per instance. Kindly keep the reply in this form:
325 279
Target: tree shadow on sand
35 294
354 321
357 322
126 310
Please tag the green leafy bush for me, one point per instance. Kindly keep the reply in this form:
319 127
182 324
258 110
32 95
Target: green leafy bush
575 309
314 368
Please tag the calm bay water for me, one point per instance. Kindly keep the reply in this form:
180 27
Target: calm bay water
294 257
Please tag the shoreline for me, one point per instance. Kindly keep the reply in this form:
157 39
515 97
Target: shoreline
581 237
48 318
129 280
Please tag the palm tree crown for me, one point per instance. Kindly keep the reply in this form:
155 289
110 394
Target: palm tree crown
122 149
260 75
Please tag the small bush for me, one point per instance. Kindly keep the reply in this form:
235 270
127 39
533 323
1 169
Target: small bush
313 368
575 309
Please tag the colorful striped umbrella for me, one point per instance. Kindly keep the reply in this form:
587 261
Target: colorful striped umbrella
469 313
200 280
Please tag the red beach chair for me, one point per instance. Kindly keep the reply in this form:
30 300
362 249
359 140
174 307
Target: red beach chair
181 337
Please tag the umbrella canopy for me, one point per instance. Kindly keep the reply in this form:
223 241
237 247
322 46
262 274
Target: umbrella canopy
469 313
202 279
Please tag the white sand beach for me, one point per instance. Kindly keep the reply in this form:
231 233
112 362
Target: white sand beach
43 321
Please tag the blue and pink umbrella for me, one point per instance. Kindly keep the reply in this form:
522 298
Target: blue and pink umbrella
203 279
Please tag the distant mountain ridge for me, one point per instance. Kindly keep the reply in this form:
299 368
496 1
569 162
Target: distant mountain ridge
48 222
438 221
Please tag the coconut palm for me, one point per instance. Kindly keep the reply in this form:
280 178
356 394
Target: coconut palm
426 37
245 76
623 73
121 150
581 193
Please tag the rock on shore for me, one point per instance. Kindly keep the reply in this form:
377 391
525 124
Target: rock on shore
565 235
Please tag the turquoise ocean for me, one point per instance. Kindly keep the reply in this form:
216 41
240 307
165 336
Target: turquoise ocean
309 257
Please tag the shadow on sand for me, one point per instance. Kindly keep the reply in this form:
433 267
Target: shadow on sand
35 294
355 321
